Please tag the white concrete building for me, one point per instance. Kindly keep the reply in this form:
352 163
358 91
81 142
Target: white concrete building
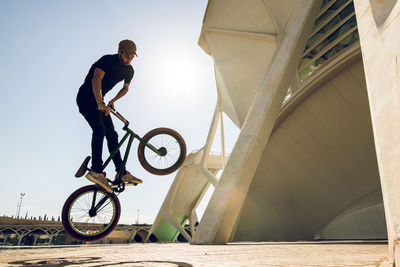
313 86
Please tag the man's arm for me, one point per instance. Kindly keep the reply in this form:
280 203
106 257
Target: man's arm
96 86
120 94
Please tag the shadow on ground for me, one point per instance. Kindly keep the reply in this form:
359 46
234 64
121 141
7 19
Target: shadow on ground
317 242
94 260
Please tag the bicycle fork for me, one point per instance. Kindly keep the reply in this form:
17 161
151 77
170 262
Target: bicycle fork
95 207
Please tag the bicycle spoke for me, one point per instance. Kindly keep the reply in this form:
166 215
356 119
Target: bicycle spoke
83 222
172 147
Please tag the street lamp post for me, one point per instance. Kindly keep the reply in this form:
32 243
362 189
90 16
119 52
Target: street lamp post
19 205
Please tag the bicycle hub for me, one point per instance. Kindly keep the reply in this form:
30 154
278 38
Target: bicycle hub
92 212
163 151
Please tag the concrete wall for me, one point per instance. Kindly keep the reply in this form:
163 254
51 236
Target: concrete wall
319 161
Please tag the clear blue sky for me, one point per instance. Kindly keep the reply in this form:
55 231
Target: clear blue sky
46 50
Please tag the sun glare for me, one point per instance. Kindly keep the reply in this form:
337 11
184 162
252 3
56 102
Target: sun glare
179 72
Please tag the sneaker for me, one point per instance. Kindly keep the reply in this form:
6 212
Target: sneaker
129 178
100 179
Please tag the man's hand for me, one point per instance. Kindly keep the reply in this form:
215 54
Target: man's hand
111 104
104 108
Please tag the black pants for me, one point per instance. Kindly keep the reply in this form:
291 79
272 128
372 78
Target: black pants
102 126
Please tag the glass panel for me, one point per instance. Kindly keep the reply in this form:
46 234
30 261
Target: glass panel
327 35
338 21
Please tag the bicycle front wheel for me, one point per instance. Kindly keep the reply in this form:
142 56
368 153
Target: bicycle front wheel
171 151
90 213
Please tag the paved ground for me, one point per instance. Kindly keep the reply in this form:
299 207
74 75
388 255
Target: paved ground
185 255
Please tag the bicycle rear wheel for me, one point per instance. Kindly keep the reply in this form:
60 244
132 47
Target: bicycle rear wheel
90 213
172 148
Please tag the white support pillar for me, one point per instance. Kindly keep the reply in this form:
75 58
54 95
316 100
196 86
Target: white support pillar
221 216
179 227
20 237
221 118
201 167
35 240
379 28
211 133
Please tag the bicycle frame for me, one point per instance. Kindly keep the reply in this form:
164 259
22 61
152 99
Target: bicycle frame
132 135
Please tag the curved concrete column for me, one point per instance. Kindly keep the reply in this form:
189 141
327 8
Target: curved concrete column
379 25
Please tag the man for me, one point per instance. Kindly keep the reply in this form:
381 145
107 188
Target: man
102 77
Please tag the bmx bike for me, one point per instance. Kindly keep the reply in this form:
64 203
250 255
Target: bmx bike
91 213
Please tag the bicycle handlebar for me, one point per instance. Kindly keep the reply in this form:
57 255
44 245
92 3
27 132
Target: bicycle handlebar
119 116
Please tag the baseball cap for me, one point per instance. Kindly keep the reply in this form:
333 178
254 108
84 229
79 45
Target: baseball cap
128 47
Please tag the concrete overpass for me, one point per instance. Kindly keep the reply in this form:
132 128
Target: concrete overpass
22 232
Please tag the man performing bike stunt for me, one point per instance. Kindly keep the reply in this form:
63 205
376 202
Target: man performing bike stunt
102 77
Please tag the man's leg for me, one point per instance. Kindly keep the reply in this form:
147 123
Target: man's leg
95 120
112 141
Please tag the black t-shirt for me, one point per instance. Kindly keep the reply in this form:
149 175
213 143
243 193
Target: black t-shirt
114 73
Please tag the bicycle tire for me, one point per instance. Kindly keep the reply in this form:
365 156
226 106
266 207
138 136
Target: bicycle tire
175 149
86 228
